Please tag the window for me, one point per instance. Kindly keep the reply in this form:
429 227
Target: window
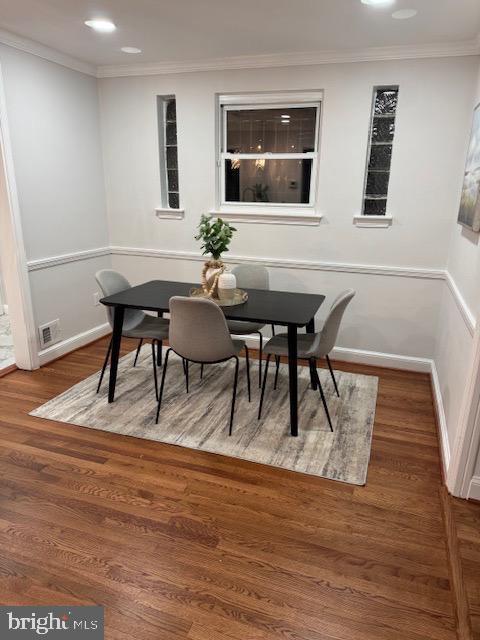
167 129
382 131
269 150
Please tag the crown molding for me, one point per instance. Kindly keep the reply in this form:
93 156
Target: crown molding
403 52
47 53
371 54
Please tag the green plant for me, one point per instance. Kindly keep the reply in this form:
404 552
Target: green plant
215 235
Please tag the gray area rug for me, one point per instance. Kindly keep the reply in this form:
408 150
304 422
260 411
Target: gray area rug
199 419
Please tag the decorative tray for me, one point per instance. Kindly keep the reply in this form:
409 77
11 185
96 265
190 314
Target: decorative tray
239 297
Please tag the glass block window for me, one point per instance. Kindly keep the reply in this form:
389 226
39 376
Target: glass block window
382 132
167 129
269 150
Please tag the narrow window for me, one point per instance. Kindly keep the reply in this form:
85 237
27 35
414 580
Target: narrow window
167 129
379 158
269 150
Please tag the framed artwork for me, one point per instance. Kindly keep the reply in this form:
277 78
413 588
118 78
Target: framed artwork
469 214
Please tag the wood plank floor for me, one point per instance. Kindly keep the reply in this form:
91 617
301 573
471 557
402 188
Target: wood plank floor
181 544
467 519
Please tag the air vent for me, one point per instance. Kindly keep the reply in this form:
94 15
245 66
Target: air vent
49 333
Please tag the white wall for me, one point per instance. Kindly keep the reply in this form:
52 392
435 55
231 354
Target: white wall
394 314
54 130
459 308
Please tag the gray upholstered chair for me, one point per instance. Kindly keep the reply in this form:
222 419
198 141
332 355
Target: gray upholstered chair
251 276
136 323
199 333
311 347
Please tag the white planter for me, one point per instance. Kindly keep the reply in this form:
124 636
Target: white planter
227 283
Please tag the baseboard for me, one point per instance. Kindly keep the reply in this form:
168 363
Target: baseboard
474 489
379 359
75 342
372 358
441 418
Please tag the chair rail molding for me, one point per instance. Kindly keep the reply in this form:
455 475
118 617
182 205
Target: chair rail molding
280 263
55 261
464 309
285 263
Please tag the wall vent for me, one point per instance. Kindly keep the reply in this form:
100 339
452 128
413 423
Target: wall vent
49 333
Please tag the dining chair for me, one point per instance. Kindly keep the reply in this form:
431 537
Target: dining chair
199 333
311 347
136 323
251 276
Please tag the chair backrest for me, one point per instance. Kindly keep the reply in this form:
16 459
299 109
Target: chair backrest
325 340
198 330
111 282
252 276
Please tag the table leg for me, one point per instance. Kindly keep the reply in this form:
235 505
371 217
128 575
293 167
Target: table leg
293 378
118 315
159 344
310 328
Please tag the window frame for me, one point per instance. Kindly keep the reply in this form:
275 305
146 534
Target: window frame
246 102
162 103
379 216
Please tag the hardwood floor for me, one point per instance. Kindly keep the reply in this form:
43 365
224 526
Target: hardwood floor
181 544
467 518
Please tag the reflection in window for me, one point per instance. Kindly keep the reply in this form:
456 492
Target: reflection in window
382 131
269 153
167 129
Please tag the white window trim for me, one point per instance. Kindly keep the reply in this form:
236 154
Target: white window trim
164 210
375 221
267 212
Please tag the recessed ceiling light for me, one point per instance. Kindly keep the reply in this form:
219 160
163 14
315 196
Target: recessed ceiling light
404 14
378 2
131 50
103 26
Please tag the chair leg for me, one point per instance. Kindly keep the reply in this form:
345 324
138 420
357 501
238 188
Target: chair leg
159 352
312 363
322 396
235 382
333 375
263 387
248 372
277 367
186 374
107 357
160 395
155 368
138 352
201 371
273 329
260 356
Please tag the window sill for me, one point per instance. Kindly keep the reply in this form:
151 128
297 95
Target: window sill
374 222
256 216
170 214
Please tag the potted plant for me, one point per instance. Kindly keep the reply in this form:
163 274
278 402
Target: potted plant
215 235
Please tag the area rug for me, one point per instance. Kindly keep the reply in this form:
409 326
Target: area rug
199 419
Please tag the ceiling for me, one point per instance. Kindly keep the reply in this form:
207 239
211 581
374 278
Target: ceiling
182 30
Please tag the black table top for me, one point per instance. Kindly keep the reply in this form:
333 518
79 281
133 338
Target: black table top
266 306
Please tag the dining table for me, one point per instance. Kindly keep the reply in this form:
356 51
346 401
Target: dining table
293 310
